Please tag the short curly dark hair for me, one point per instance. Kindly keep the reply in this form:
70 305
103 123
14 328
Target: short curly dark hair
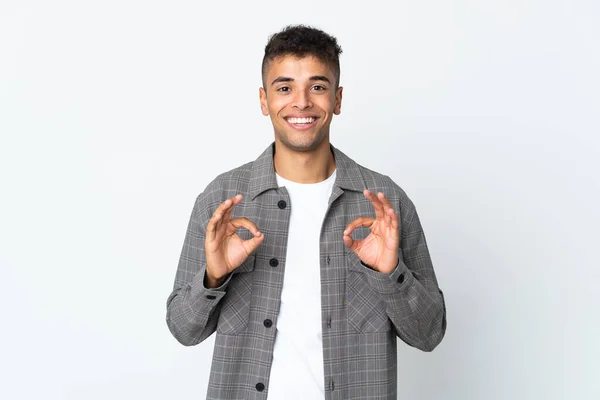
301 41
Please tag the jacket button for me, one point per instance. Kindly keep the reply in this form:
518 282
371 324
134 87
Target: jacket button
273 262
401 278
267 323
211 297
281 204
260 386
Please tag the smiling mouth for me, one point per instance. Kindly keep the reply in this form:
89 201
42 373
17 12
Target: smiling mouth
301 123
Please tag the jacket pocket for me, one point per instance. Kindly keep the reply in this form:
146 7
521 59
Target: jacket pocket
366 307
235 305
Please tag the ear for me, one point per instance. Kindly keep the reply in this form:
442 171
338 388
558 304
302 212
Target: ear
264 107
338 101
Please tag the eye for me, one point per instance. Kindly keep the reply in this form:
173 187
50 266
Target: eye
318 87
283 89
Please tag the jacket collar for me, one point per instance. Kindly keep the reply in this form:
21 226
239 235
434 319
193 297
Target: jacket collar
262 173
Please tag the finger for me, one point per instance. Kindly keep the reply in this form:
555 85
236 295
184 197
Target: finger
350 243
396 222
377 205
384 200
235 200
389 217
387 206
392 224
210 231
246 223
211 228
251 244
360 221
225 209
216 220
218 214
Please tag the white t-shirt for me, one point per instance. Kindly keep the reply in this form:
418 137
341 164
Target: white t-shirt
297 370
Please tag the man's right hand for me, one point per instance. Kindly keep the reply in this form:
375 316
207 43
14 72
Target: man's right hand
225 250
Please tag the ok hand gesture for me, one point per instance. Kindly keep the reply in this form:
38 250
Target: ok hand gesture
225 250
379 250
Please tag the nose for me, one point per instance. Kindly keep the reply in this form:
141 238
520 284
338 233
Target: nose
302 100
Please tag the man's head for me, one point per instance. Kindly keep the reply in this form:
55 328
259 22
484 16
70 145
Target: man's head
301 91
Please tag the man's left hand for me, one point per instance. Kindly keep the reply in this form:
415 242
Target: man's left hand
379 250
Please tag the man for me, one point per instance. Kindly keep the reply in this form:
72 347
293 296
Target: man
306 264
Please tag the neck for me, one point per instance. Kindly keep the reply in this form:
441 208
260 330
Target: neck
304 167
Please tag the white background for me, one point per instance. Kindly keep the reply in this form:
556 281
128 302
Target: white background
114 115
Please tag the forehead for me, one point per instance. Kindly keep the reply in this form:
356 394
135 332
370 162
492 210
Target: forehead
298 67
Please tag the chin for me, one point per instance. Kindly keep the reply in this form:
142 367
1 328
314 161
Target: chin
302 144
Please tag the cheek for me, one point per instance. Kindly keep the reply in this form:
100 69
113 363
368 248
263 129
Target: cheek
275 106
327 105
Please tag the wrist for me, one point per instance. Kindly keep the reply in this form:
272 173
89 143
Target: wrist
212 282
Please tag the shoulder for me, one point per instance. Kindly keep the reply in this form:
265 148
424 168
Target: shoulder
232 180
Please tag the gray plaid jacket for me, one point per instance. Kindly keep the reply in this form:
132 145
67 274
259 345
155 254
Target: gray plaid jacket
362 310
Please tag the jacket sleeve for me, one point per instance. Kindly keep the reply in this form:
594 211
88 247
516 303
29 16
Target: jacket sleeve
193 309
415 303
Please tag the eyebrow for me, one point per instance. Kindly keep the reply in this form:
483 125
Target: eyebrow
312 78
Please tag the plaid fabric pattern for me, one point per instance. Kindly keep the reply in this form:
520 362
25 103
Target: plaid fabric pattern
363 311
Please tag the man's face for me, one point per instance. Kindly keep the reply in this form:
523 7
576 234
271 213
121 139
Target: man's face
301 99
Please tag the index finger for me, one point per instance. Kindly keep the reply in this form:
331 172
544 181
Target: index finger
218 215
235 201
224 206
377 205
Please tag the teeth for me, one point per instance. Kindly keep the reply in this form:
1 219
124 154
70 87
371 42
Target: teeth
308 120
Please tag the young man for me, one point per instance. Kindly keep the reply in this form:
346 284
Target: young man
332 265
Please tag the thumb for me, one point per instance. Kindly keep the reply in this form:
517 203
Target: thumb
252 244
